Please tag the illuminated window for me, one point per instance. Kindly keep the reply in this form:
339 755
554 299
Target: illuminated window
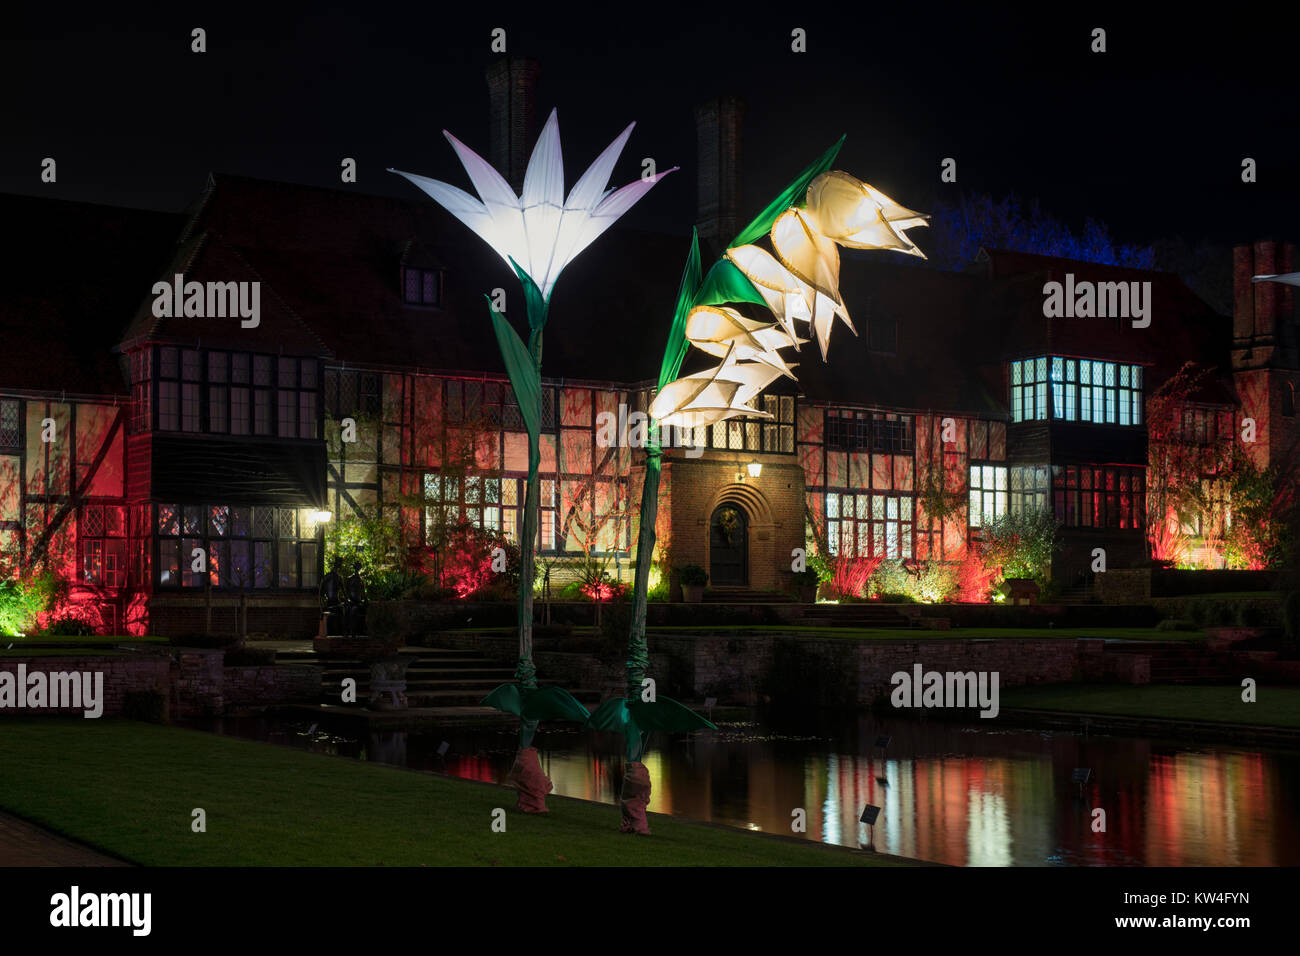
1028 488
101 536
1104 393
869 524
473 499
988 494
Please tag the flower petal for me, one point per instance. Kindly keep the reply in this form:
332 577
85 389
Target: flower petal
609 210
590 188
492 188
544 178
807 254
465 208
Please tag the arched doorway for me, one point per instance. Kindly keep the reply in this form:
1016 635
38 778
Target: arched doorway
728 547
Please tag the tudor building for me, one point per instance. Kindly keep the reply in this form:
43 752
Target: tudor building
373 380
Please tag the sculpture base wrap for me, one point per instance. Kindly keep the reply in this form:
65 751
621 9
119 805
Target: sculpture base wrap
634 799
528 778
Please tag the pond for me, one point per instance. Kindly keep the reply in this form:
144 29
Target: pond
948 793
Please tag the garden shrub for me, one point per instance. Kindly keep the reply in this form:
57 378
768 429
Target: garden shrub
23 600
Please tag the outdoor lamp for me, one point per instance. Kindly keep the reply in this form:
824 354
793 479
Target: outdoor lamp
321 516
755 468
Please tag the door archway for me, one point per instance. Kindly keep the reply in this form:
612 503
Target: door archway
728 546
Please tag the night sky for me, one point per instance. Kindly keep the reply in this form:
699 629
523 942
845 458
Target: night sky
1147 137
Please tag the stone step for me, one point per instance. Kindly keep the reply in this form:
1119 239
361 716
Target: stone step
745 596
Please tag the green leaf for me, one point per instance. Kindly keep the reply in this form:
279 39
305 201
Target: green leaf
553 703
638 716
726 283
793 195
667 715
524 379
612 715
505 698
536 303
675 352
536 703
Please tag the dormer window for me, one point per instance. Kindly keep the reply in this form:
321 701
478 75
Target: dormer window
421 287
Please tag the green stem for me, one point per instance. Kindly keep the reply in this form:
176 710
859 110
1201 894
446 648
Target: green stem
525 671
638 654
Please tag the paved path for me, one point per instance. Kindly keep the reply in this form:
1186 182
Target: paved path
22 844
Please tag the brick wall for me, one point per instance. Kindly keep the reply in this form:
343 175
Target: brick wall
277 618
122 675
773 504
193 682
805 671
1124 586
263 686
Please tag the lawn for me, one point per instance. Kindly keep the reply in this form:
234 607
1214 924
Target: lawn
88 640
129 788
1274 706
30 652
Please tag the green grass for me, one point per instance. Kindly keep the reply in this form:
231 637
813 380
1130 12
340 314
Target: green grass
1274 707
91 639
129 789
30 652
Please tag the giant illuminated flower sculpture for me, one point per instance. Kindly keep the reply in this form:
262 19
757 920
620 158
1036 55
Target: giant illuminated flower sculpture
797 281
538 233
539 230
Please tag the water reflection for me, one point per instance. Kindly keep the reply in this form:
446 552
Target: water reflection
966 796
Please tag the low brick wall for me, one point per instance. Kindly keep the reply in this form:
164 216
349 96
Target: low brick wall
193 682
269 685
1123 585
410 620
826 671
276 617
122 675
198 683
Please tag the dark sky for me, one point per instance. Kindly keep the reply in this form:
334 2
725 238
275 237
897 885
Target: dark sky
1147 137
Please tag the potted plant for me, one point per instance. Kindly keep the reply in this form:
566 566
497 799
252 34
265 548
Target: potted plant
806 582
693 578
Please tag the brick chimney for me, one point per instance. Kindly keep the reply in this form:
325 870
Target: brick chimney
1260 309
512 87
718 135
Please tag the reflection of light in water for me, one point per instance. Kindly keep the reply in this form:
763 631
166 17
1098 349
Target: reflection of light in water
961 796
661 800
988 831
831 808
1200 804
